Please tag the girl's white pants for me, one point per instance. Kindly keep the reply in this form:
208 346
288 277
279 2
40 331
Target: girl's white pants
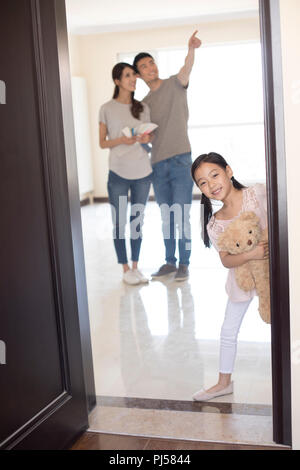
234 314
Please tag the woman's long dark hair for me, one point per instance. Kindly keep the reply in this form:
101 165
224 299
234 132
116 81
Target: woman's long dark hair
136 107
206 206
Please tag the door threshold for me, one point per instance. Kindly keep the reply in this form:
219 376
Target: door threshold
202 426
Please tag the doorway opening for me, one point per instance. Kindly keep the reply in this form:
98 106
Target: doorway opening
155 345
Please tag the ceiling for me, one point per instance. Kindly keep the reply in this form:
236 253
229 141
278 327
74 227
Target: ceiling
100 16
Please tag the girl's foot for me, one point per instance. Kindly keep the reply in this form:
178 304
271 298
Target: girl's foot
217 388
216 391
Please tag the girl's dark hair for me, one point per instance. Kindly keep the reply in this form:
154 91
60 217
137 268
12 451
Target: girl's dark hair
136 107
206 206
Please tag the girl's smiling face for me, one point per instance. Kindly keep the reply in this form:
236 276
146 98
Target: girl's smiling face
213 180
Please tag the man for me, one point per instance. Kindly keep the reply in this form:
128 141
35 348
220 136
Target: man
171 156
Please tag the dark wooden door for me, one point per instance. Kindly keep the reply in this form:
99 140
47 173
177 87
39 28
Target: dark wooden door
46 387
278 223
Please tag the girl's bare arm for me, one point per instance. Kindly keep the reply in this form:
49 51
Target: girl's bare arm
261 251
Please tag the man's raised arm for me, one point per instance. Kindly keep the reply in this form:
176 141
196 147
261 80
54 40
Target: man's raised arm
185 71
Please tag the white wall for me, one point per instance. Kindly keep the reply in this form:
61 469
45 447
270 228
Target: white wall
74 53
290 26
82 136
93 56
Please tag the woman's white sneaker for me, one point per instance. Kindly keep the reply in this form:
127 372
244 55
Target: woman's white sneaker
129 277
140 276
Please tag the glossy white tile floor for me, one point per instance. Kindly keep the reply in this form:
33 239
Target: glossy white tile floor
162 340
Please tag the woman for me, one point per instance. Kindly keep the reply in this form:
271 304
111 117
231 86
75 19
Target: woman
129 166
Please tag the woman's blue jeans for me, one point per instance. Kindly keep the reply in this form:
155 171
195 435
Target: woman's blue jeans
173 187
118 189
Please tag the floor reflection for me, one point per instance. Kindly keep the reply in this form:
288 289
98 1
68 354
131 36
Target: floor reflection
159 352
161 340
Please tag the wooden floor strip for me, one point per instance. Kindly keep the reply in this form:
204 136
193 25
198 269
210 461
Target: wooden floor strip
101 441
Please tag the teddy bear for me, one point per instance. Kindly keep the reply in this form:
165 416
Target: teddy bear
241 235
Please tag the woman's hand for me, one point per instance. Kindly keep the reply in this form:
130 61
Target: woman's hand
128 140
144 138
261 251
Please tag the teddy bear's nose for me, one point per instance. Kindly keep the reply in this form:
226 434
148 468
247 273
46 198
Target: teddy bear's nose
249 242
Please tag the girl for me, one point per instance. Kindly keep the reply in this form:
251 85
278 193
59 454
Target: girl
214 177
129 166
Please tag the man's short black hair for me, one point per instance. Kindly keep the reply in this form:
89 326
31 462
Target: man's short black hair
139 57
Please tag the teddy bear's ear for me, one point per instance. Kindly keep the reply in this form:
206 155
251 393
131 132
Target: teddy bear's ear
222 245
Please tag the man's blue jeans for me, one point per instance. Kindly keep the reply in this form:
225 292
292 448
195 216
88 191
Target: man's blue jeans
118 189
173 187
